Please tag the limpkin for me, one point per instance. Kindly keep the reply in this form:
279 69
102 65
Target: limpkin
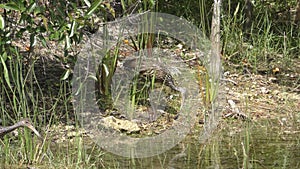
22 123
161 74
148 69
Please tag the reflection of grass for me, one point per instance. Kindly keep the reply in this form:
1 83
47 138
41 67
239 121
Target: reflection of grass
246 142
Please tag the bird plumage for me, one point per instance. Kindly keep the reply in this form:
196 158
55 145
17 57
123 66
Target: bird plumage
22 123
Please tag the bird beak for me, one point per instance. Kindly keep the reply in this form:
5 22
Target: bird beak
35 131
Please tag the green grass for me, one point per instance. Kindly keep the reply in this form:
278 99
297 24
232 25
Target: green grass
270 43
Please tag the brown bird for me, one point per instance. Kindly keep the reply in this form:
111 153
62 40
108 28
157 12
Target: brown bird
23 123
161 74
148 70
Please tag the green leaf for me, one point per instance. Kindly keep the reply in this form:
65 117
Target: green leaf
32 40
236 9
10 6
5 71
31 7
4 56
93 7
73 27
88 3
106 70
45 22
43 40
2 23
111 9
68 43
79 89
93 77
67 74
123 5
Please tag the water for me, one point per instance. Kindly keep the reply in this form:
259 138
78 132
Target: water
234 145
267 147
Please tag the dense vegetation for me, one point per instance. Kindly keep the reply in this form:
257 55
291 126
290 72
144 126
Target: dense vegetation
40 41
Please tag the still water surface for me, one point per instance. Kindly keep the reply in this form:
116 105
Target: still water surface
253 146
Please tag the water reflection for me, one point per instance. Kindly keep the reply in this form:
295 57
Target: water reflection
254 147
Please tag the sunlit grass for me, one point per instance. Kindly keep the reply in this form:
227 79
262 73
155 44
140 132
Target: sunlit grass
26 98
